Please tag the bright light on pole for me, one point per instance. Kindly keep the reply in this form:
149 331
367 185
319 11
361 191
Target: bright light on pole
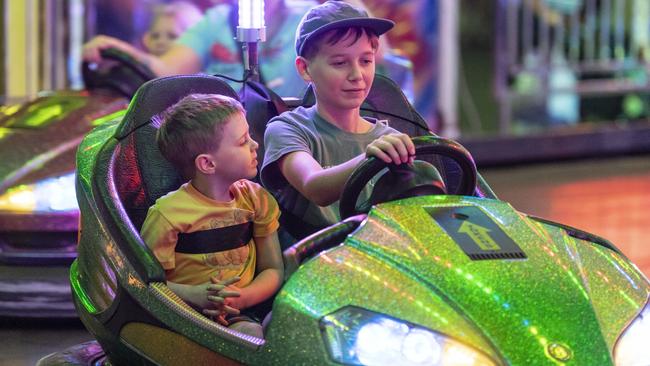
250 31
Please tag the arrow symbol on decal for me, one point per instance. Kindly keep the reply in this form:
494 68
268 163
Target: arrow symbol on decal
480 235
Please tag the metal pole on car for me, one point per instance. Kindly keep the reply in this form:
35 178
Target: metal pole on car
250 31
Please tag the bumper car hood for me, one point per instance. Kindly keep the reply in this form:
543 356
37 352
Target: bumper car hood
480 272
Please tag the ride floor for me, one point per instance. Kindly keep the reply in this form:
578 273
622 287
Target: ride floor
608 197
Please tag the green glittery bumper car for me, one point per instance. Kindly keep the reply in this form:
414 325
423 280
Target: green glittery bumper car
432 270
38 210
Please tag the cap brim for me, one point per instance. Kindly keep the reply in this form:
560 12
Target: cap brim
378 25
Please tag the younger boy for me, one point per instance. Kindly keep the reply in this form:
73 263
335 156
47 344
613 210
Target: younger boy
310 152
216 235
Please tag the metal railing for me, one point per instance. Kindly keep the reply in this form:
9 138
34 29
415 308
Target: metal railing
41 47
595 41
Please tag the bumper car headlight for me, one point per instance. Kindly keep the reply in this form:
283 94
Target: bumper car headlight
356 336
49 195
632 347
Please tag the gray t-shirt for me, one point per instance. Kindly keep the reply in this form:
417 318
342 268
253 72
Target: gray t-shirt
303 129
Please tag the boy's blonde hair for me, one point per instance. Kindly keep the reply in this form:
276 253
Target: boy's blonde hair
194 126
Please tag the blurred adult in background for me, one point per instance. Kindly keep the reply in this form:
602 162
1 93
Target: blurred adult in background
130 21
390 61
210 47
168 22
416 36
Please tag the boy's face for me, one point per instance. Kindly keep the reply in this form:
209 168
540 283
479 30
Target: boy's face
342 73
236 157
161 35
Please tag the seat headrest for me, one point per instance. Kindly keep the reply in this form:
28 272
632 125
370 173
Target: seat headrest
155 96
141 173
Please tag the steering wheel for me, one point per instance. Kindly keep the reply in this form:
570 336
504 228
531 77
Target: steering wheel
424 145
120 72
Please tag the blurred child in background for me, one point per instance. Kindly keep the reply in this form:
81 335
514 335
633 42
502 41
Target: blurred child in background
167 24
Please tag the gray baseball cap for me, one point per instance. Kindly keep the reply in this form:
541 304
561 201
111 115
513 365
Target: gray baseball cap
332 15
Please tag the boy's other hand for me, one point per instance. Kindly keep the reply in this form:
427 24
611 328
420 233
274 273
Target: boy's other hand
394 148
220 295
223 291
91 50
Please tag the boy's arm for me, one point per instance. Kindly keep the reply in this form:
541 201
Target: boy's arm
194 295
179 59
160 236
270 273
321 186
324 186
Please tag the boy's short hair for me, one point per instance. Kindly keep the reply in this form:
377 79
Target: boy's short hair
334 36
335 15
194 126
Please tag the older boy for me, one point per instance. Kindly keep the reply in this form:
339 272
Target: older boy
310 152
219 227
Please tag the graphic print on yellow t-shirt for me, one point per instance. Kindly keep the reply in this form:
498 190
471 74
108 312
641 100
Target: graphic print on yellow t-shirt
217 263
187 212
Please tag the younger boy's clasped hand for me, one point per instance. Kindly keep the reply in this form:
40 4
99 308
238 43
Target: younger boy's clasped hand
221 295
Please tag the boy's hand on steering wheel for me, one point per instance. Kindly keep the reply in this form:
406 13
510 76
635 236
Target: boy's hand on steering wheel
91 51
394 148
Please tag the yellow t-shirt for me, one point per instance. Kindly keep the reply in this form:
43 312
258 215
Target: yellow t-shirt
187 210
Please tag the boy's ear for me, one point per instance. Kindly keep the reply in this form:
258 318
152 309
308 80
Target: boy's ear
302 67
204 164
